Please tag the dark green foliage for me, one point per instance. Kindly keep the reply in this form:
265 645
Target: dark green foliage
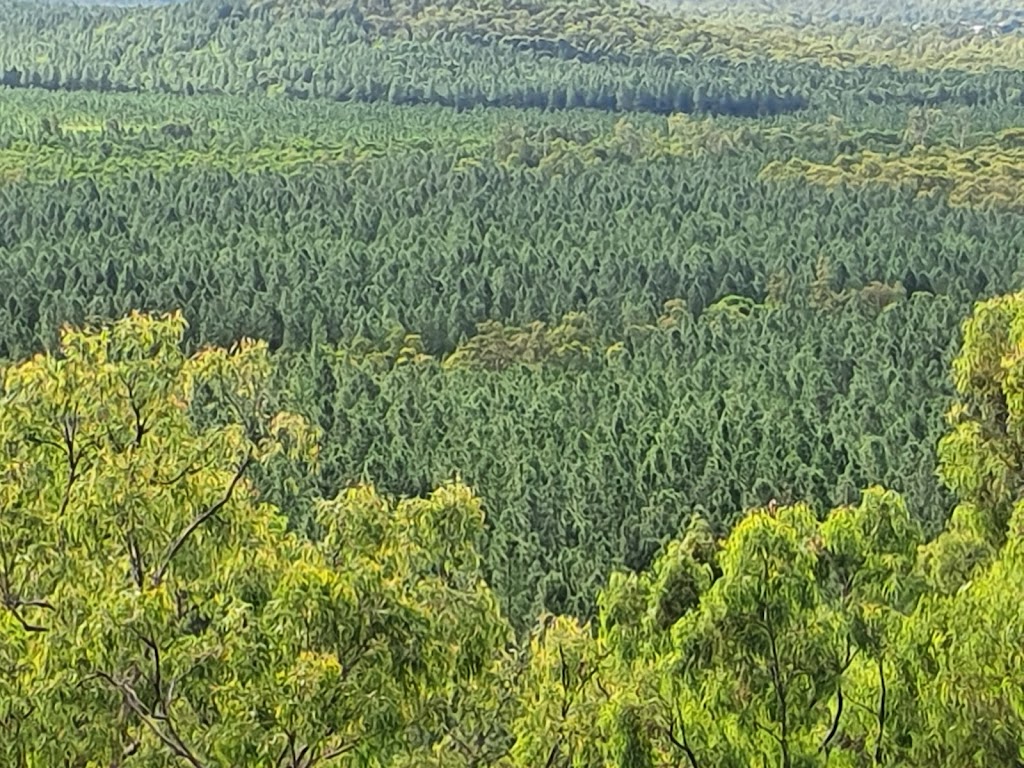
734 340
605 322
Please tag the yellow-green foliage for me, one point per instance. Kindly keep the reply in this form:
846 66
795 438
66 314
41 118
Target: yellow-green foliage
571 343
83 147
153 606
738 35
990 174
797 642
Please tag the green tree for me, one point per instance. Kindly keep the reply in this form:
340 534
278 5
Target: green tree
153 608
981 459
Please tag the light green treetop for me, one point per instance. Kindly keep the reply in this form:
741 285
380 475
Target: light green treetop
154 612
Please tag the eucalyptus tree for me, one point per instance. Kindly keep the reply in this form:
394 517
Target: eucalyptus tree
154 611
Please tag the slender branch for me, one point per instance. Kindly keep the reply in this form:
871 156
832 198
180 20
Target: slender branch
28 627
777 682
553 754
881 710
289 747
170 738
297 762
190 469
848 659
141 427
135 558
196 523
69 431
762 727
347 665
835 721
12 601
35 440
336 752
563 669
684 745
156 679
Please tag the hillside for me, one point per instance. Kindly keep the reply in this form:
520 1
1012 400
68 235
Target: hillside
635 384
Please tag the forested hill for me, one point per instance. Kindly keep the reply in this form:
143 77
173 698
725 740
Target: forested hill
611 265
956 17
511 384
607 55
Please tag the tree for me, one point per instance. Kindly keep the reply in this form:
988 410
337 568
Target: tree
959 663
981 459
154 611
771 647
869 568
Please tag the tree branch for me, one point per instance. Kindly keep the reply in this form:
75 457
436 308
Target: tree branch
289 748
28 627
881 710
835 721
762 727
330 755
190 469
553 754
156 680
192 527
141 427
850 654
69 431
13 601
776 672
135 558
684 745
170 739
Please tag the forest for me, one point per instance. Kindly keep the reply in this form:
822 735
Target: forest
511 384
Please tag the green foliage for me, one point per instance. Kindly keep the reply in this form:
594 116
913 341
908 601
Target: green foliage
635 274
705 364
571 344
979 459
154 607
799 642
808 642
985 175
155 610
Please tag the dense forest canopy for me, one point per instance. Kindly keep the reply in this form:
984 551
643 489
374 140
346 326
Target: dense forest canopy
635 384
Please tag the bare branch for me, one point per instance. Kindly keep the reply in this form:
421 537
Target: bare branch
201 518
190 469
564 670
